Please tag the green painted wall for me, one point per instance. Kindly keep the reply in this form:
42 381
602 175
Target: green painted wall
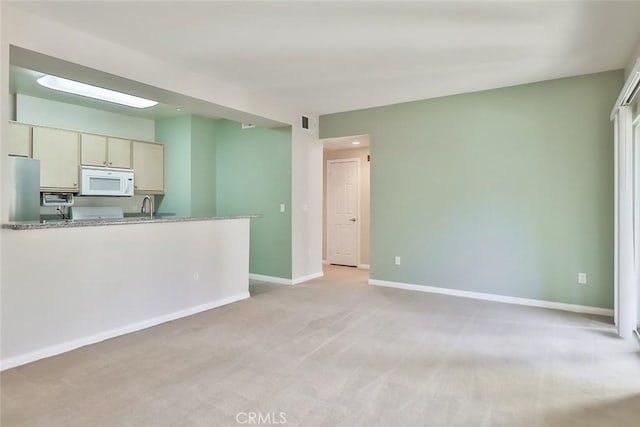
213 167
253 176
175 134
203 166
507 191
190 188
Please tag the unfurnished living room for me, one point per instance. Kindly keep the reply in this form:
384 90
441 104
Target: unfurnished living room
320 213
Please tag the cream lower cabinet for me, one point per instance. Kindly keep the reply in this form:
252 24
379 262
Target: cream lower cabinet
19 138
148 167
59 155
98 150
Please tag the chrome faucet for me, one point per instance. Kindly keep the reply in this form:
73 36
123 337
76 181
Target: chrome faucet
144 202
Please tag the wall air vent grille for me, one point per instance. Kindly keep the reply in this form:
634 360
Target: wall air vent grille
309 123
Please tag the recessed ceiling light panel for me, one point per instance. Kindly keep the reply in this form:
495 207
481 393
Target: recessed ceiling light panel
355 142
83 89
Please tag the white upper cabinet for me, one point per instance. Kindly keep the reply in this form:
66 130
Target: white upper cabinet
98 150
148 167
19 140
93 150
61 152
59 155
119 153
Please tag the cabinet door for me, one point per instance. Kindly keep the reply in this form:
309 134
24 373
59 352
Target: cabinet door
148 167
119 153
59 157
18 138
93 150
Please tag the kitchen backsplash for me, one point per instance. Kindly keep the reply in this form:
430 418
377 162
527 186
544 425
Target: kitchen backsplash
128 204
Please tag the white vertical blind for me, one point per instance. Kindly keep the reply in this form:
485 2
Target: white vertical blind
636 213
616 225
625 269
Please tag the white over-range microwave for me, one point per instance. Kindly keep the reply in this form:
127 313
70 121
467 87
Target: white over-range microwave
96 181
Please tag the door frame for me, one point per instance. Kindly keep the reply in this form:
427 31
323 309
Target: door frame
635 176
351 159
626 274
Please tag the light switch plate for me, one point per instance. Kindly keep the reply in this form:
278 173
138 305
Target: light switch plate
582 278
282 207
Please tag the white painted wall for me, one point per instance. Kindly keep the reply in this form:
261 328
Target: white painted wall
44 112
306 215
68 287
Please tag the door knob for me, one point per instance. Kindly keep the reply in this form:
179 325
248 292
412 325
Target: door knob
352 220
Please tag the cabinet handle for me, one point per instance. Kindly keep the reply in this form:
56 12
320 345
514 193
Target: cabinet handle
110 163
104 163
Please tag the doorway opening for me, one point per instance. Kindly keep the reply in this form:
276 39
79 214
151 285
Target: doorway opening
346 201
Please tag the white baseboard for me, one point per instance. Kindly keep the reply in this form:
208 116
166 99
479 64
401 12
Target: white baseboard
364 266
270 279
307 277
54 350
497 298
283 281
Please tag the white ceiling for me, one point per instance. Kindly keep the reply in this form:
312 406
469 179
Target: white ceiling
345 142
326 57
27 66
23 81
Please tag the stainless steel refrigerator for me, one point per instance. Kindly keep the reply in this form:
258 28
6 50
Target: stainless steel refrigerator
24 189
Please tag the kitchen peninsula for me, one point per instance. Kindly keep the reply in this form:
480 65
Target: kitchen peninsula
138 219
66 284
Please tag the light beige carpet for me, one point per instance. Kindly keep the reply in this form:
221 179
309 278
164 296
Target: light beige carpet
338 352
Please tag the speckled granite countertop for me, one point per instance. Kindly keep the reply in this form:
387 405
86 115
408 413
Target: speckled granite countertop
37 225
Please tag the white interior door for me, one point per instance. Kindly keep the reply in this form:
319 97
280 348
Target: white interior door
343 203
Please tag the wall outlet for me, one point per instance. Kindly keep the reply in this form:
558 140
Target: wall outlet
196 276
582 278
397 260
